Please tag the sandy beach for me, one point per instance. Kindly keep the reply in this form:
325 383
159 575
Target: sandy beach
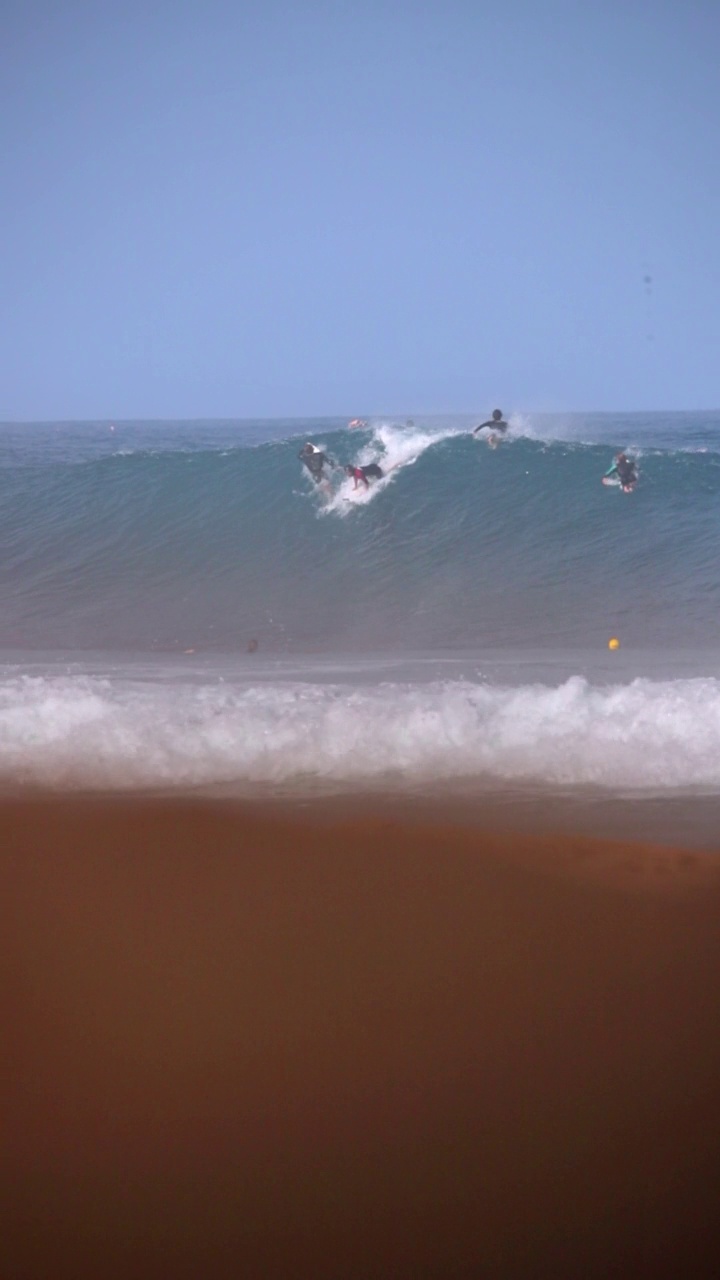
244 1041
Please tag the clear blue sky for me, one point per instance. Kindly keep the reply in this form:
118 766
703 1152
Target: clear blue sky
300 207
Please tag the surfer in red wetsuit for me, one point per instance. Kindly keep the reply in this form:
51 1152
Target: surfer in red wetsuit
360 474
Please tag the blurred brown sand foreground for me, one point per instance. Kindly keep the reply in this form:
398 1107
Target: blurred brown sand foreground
240 1042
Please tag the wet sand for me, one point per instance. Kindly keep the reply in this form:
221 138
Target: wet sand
243 1041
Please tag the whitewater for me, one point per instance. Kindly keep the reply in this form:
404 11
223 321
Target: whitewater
183 608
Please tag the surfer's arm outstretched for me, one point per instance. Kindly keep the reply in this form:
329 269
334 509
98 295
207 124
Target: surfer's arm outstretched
625 469
497 423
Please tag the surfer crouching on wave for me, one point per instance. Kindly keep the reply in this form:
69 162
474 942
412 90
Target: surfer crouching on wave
496 424
625 470
360 474
315 461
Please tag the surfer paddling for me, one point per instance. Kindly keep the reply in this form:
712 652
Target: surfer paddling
360 474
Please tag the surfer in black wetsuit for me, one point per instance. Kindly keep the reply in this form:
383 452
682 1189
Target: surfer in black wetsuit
315 461
361 473
496 424
625 470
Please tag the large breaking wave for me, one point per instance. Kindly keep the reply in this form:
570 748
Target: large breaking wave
174 547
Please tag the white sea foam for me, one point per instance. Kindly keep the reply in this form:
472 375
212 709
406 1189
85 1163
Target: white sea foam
80 731
393 448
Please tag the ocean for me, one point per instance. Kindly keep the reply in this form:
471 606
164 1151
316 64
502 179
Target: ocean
183 609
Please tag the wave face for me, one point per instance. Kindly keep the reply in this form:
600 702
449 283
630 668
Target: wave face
153 537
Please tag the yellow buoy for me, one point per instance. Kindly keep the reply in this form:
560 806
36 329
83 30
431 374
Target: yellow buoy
614 643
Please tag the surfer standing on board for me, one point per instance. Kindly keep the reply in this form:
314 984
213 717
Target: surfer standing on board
315 460
496 424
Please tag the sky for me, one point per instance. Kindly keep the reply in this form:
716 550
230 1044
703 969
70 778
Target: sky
346 207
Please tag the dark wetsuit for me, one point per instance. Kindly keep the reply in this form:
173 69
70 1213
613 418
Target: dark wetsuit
315 461
625 470
498 424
